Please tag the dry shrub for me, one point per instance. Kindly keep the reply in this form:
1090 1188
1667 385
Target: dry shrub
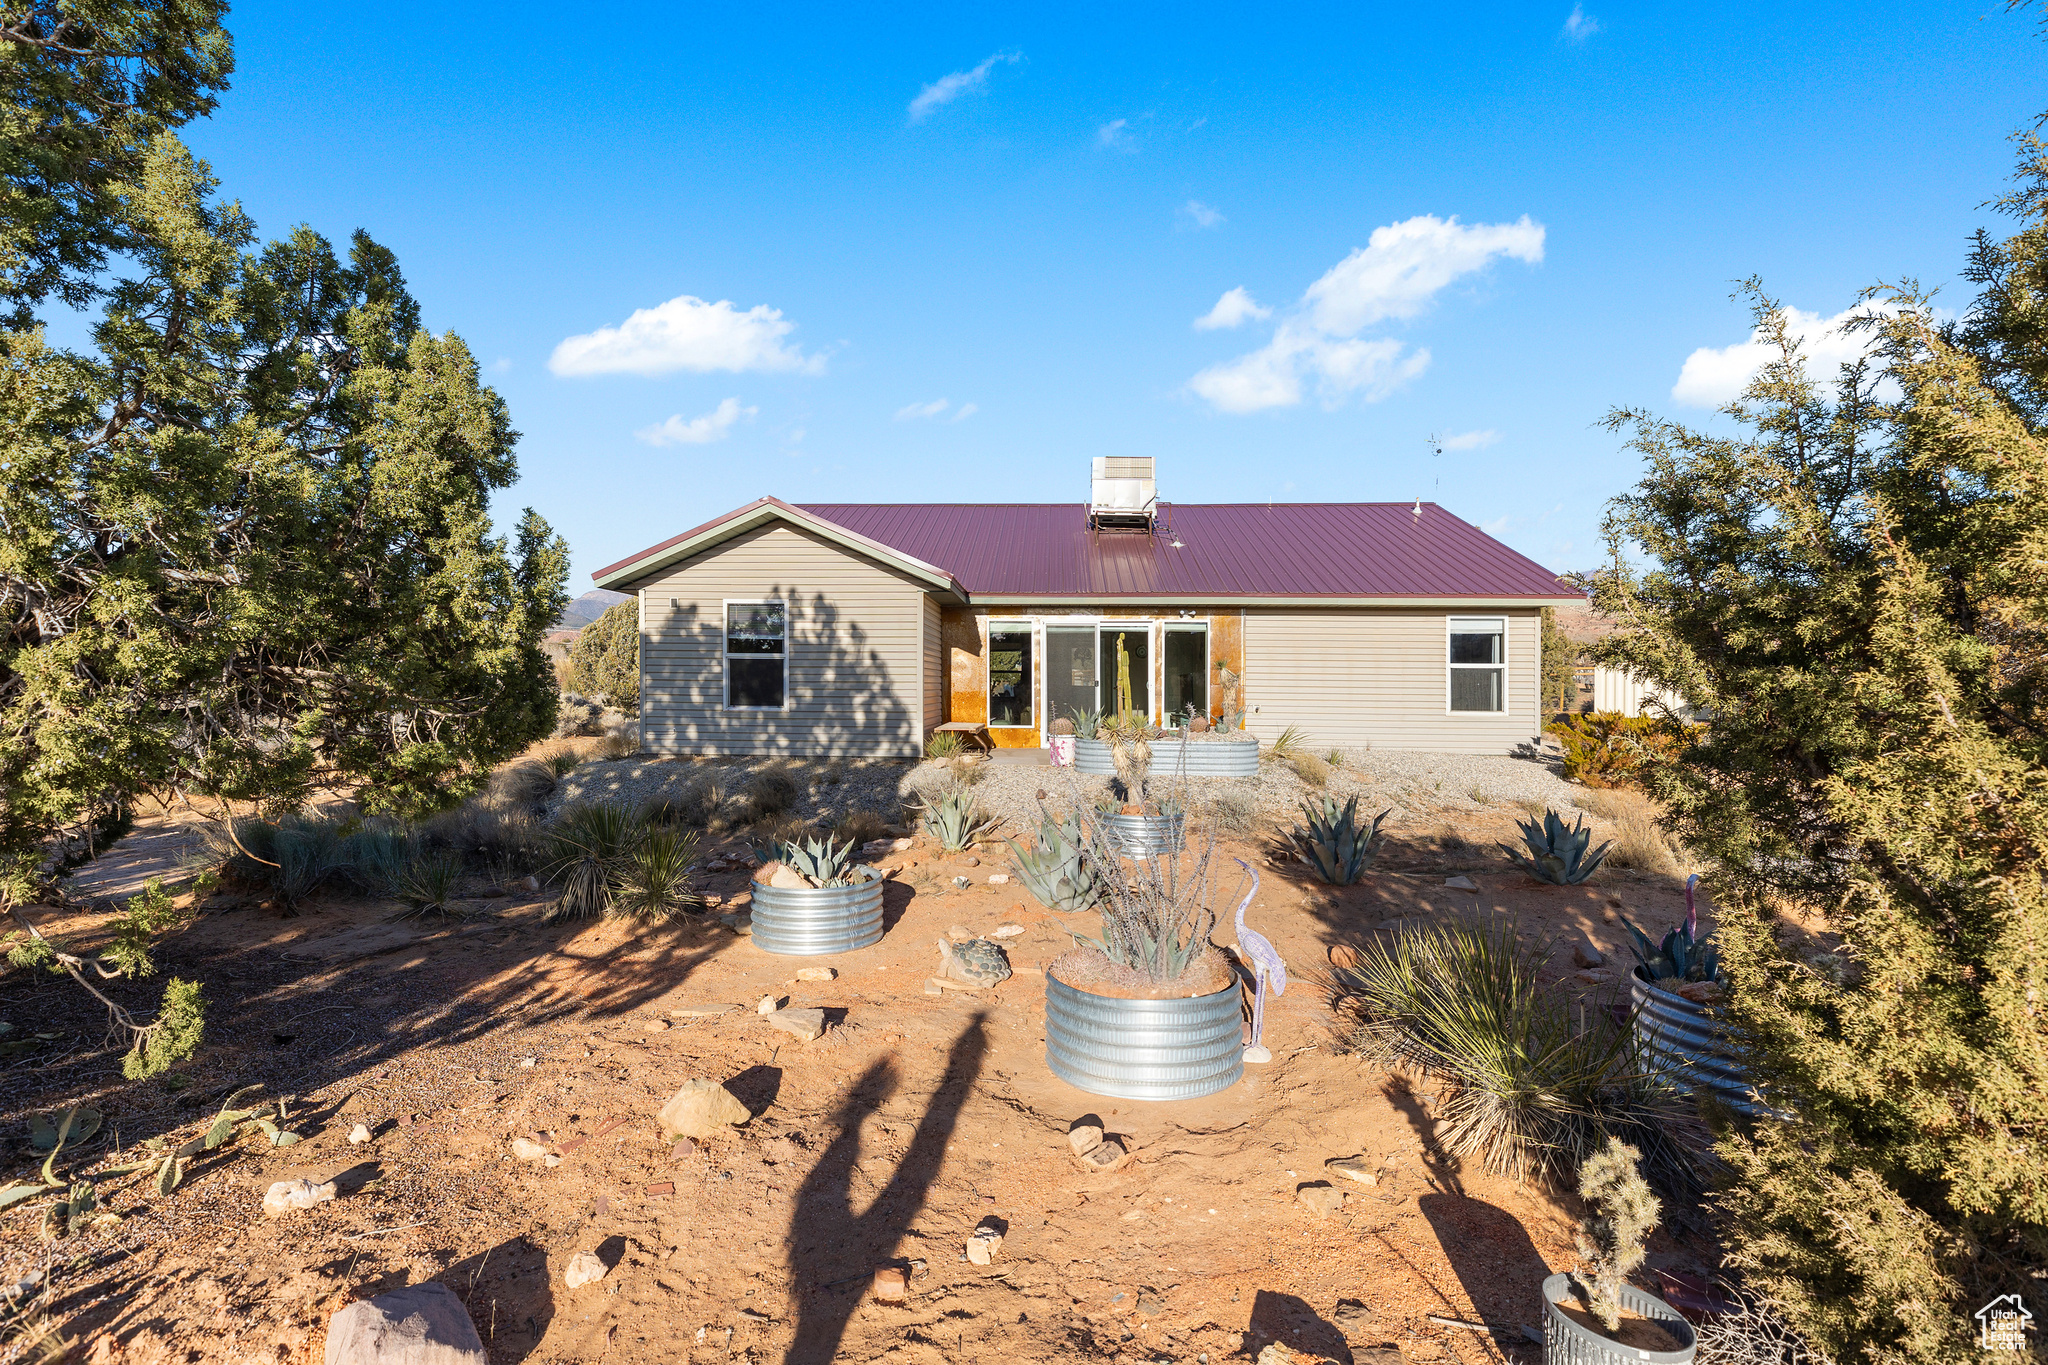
1310 769
1449 843
1235 811
620 742
771 792
502 836
1639 841
861 826
782 829
522 783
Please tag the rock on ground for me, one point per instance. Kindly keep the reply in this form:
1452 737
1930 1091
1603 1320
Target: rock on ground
422 1324
583 1269
287 1195
1322 1199
805 1023
700 1109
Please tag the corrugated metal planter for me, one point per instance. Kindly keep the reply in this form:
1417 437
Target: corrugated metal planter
1144 836
1567 1343
1685 1037
1144 1049
1205 758
814 920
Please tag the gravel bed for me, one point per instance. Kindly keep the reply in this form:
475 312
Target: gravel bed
1414 785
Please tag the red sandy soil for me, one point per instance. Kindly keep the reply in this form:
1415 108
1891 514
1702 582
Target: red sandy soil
883 1143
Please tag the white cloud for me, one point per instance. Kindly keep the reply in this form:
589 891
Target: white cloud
686 333
1714 376
967 410
946 89
1396 275
1404 265
1116 135
1236 306
715 425
1470 440
1579 25
502 365
913 411
1203 215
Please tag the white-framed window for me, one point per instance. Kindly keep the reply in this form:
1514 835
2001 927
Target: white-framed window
1477 655
756 655
1010 673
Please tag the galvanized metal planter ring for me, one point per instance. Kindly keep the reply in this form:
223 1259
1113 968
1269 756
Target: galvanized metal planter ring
1686 1038
1144 1049
1203 758
812 921
1567 1343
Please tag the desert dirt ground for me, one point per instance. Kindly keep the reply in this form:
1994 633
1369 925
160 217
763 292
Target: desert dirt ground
883 1143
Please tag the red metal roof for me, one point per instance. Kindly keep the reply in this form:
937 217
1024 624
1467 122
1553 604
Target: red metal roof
1203 550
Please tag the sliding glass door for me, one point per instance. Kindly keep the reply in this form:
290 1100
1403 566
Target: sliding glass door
1184 670
1134 638
1070 683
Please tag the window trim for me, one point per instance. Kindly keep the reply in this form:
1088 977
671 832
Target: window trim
1010 626
725 652
1450 624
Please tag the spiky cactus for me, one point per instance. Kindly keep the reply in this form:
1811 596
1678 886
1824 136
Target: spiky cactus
955 820
1611 1237
1056 869
1334 843
1557 851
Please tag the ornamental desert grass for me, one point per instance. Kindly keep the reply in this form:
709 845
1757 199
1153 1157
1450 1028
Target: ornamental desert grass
588 849
1532 1090
1639 841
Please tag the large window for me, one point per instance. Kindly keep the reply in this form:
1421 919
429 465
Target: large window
1478 660
1009 675
756 655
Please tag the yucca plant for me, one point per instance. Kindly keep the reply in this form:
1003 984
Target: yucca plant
1288 745
1335 844
428 883
1531 1088
587 851
955 821
655 883
822 861
1056 869
1557 852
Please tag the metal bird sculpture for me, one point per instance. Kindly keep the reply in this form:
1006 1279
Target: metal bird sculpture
1266 966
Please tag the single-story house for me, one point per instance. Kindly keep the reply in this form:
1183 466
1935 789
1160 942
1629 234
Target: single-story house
856 629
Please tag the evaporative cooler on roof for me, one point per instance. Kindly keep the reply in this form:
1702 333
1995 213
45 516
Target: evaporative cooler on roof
1123 493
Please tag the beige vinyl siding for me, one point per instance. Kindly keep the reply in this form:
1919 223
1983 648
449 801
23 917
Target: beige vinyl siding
856 650
934 670
1352 677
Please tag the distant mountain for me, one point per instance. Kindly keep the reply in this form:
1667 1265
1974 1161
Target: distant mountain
588 608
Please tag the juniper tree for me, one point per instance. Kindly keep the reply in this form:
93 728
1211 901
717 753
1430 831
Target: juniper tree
606 656
1855 589
245 540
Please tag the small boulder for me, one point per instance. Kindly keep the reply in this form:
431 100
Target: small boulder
1107 1155
700 1109
816 974
422 1324
769 1004
891 1285
805 1024
787 878
526 1149
1006 931
1460 884
999 879
1258 1055
1586 955
984 1244
358 1134
287 1195
584 1268
1086 1135
1322 1198
1351 1168
1343 956
1594 978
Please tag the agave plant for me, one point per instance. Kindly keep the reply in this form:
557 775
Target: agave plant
1684 955
1335 844
822 861
1087 721
1056 869
588 849
1557 852
655 883
955 820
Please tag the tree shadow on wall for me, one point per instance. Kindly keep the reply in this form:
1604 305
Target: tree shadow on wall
843 698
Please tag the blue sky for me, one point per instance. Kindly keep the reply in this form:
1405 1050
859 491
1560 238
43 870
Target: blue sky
963 250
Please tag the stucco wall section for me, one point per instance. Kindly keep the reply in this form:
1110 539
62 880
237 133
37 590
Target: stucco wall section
1376 676
856 651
